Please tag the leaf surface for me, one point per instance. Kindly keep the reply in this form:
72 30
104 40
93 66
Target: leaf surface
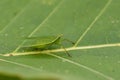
92 25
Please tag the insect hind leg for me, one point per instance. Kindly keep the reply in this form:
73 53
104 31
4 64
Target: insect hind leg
65 50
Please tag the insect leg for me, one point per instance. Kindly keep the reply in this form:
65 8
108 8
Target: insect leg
69 41
65 50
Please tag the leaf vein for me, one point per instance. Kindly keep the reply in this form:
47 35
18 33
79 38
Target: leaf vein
52 12
62 50
93 22
83 66
13 19
20 64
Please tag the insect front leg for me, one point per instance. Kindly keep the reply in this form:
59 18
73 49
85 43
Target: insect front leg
69 41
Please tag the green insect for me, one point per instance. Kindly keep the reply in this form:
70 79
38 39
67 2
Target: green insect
42 43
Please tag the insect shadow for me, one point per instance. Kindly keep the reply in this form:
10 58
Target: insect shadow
45 43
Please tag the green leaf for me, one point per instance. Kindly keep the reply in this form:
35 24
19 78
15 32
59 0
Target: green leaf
93 26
